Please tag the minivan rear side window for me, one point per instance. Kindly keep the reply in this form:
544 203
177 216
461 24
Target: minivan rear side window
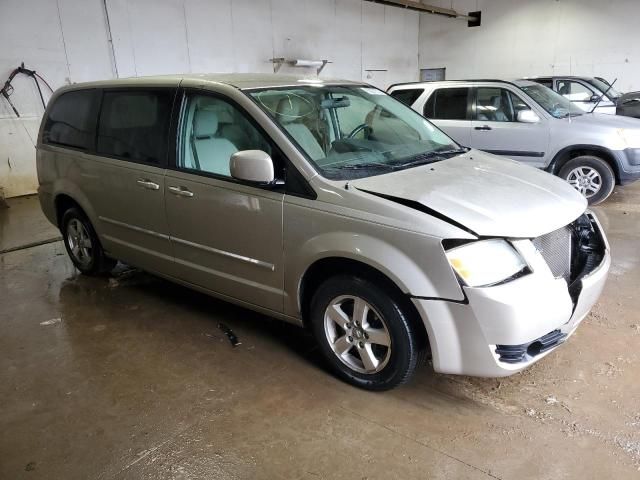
134 124
70 121
448 104
407 96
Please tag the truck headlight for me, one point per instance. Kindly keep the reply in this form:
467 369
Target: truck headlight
485 262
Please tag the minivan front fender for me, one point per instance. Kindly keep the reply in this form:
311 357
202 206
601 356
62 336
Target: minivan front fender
412 274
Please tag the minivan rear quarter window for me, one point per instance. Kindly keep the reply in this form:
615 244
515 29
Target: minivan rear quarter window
407 96
448 104
134 125
70 121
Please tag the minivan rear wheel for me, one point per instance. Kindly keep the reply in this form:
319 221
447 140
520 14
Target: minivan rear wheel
591 176
82 244
363 333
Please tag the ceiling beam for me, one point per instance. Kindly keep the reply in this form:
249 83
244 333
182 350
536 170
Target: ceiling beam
418 6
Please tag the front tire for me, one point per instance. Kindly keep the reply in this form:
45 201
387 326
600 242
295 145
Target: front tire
591 176
364 334
82 244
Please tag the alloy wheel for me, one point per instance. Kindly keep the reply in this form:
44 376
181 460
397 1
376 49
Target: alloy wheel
79 242
357 334
586 180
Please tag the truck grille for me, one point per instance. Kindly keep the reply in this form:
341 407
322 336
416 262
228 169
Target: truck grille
556 248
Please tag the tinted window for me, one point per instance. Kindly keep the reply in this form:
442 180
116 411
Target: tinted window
407 96
447 104
212 131
135 124
70 122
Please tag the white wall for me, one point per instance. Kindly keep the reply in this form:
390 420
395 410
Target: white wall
525 38
68 41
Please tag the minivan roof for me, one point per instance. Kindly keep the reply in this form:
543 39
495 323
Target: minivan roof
239 80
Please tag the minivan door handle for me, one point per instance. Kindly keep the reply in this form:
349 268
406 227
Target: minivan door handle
181 191
483 127
148 184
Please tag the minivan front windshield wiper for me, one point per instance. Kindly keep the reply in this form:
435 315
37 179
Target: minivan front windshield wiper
366 166
429 157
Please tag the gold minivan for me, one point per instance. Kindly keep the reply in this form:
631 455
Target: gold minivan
327 204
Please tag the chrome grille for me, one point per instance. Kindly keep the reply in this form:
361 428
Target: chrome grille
555 248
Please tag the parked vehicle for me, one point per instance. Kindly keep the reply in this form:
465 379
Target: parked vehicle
327 204
525 121
585 92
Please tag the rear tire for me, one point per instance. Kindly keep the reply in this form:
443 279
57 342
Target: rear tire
364 334
591 176
83 245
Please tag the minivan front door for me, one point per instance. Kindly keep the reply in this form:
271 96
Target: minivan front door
495 128
226 235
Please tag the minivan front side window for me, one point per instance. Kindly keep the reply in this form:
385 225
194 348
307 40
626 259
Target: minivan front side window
354 131
134 125
212 131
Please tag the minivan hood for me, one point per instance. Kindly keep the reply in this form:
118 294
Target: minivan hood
486 194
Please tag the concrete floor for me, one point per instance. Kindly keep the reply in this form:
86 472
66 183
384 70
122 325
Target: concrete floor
130 377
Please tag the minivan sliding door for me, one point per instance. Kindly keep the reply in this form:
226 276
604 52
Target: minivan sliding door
125 179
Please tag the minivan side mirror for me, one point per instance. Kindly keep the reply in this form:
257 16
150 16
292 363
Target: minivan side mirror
252 166
528 116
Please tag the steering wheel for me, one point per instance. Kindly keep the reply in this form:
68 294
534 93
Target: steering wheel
355 131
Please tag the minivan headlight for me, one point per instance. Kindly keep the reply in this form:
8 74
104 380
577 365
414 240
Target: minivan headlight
485 262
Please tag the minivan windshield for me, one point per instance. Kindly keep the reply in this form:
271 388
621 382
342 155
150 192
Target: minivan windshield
354 131
554 103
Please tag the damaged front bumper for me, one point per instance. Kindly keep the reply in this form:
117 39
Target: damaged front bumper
502 329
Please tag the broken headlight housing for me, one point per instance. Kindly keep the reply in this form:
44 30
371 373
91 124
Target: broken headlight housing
486 262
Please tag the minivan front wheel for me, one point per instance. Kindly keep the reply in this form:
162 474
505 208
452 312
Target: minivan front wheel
82 244
363 333
591 176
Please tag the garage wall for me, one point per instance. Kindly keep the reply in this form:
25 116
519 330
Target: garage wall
526 38
69 41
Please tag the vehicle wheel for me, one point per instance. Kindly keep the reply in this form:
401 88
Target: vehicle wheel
591 176
364 333
82 244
